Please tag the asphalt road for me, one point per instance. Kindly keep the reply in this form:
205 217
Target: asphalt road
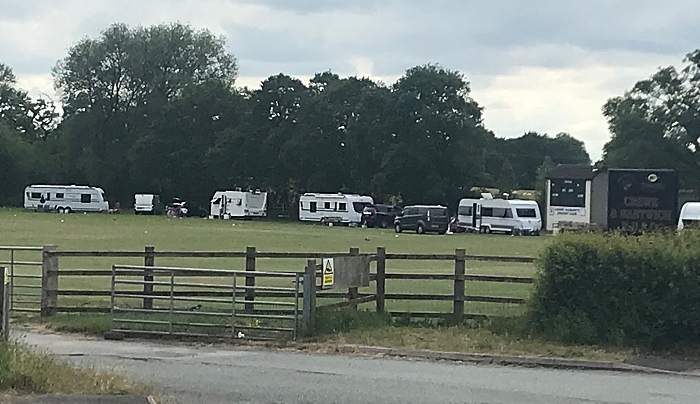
193 374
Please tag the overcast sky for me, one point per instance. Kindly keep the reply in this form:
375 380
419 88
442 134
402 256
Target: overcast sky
542 65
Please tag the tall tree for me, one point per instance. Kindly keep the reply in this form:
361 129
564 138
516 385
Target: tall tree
437 136
656 124
117 88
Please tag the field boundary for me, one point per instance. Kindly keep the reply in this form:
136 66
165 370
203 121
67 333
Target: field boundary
97 300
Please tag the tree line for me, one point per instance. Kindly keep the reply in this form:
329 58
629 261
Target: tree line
156 110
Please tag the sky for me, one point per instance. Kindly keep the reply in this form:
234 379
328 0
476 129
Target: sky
537 65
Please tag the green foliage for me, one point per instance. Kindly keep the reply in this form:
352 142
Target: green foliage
611 289
339 320
25 371
656 124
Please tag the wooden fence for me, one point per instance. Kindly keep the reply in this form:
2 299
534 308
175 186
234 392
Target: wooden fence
96 300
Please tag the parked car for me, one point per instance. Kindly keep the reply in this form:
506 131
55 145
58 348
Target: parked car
423 219
379 215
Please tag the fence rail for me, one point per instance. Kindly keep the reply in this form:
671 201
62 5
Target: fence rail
23 276
406 297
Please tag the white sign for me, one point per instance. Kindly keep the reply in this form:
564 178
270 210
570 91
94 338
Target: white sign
328 272
558 211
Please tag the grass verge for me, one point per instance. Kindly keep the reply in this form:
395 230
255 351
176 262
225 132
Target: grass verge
25 371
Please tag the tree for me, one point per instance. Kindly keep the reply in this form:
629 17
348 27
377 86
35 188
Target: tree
119 90
506 180
437 136
33 119
526 152
656 124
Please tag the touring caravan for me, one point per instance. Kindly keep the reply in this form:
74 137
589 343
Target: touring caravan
486 215
333 208
65 198
690 215
238 204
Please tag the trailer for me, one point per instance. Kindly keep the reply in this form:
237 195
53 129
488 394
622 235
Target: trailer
65 198
238 204
333 208
149 204
511 216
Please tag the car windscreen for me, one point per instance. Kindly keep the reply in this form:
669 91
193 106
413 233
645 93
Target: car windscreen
526 212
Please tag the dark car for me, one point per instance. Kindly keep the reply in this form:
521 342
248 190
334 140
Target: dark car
379 215
423 219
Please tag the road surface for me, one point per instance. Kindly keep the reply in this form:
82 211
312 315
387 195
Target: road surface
205 374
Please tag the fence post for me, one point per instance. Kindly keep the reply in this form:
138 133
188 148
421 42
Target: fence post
49 280
250 254
149 260
4 304
381 279
308 314
352 292
458 302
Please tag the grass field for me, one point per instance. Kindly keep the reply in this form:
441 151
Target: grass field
129 232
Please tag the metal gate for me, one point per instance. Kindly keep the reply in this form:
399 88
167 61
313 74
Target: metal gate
189 302
25 277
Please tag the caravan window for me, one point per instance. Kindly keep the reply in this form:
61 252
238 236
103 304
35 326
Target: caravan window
48 196
487 212
359 206
465 210
36 195
343 207
85 198
327 205
59 195
526 212
312 207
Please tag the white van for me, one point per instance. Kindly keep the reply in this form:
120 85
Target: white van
238 204
515 216
333 208
690 215
147 204
65 198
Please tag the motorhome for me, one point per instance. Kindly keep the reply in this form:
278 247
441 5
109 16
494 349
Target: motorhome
65 198
147 204
238 204
690 215
333 208
512 216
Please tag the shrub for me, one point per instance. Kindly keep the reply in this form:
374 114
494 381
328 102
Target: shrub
619 290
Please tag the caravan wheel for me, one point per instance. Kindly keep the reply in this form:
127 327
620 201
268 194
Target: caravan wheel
59 209
68 210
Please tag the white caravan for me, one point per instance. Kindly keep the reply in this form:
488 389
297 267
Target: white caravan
65 198
147 204
513 216
333 208
690 215
238 204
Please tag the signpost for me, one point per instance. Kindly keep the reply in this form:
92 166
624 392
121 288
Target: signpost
4 304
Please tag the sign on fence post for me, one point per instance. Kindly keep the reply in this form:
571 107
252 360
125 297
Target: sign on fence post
328 272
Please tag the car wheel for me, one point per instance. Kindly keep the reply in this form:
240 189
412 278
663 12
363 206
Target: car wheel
383 224
397 228
420 229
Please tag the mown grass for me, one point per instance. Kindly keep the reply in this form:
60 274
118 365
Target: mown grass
25 371
129 232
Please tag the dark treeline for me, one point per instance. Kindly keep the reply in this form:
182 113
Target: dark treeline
156 109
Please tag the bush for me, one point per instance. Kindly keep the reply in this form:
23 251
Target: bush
617 290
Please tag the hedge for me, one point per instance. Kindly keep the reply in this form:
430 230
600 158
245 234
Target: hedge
619 290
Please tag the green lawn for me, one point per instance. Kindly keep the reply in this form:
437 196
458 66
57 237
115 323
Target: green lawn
129 232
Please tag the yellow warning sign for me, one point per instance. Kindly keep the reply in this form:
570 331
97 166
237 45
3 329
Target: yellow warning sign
328 272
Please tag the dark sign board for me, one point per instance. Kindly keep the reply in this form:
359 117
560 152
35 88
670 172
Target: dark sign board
642 200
